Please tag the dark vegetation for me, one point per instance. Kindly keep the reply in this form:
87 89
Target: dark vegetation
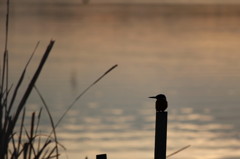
18 139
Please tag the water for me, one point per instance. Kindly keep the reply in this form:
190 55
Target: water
188 52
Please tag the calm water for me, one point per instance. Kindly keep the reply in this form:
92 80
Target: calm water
190 53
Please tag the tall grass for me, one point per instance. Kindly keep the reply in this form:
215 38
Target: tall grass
18 139
22 143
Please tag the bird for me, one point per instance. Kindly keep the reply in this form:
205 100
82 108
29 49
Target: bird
161 103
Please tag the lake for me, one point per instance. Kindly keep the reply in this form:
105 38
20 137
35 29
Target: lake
190 53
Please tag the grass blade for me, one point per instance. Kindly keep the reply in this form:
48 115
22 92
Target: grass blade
42 149
31 85
31 138
13 120
21 79
7 23
178 151
81 94
50 117
38 121
21 131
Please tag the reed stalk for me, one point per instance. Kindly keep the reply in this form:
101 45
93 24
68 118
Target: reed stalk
18 139
23 143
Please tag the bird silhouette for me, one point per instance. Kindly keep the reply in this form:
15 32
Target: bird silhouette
161 103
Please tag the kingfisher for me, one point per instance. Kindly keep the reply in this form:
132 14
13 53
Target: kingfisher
161 103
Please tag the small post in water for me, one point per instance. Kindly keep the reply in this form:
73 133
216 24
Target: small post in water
161 127
101 156
161 135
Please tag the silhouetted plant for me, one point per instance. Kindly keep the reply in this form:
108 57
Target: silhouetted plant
18 141
26 141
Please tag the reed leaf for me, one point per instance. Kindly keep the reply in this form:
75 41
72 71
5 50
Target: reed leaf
21 131
21 79
38 120
42 149
10 121
50 117
174 153
32 82
83 92
31 139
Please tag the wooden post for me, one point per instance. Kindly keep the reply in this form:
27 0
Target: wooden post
161 135
101 156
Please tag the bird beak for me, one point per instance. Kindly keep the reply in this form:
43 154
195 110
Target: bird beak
152 97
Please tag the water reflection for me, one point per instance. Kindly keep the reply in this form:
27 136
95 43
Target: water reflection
188 53
119 137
